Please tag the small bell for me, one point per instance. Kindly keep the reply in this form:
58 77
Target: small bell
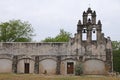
84 31
94 31
89 20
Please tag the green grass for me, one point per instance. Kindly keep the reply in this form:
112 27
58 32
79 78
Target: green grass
54 77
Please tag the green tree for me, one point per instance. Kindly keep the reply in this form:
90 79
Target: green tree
63 36
15 31
116 55
116 45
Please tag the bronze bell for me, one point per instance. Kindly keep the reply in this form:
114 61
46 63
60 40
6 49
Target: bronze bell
94 31
84 30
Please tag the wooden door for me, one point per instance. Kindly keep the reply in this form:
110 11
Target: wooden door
26 67
70 68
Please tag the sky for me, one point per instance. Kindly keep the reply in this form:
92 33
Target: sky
47 17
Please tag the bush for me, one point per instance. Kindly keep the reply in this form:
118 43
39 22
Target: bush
78 69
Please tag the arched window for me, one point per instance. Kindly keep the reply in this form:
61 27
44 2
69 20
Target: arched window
84 34
89 16
94 34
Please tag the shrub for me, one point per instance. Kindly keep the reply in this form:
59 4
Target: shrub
79 69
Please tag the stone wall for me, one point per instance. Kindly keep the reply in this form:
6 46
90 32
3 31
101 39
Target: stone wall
94 66
34 48
51 58
5 66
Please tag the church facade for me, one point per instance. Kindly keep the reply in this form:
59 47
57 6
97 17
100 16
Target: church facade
88 48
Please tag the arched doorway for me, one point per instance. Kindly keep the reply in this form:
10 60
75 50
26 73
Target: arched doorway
25 65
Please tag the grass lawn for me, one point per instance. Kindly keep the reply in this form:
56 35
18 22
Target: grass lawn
55 77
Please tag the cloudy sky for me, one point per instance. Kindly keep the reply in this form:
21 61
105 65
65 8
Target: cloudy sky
49 16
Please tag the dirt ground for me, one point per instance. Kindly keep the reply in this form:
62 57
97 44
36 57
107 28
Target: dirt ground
53 77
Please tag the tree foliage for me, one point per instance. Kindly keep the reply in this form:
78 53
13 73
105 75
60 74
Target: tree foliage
116 55
116 45
116 60
15 31
63 36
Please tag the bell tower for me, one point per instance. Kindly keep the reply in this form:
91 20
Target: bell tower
89 16
89 43
88 29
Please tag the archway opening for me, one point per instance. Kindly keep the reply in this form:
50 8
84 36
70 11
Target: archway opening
94 34
84 34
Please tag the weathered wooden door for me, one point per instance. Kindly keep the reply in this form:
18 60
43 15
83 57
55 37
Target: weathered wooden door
27 67
70 68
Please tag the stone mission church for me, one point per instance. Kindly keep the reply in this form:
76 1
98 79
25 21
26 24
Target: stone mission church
88 47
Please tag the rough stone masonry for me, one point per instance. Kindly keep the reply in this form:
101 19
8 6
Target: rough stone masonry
88 48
